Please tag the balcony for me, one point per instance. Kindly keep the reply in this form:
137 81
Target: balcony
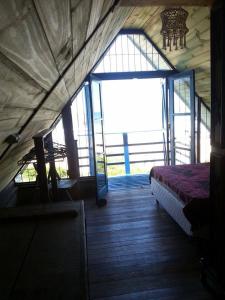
129 153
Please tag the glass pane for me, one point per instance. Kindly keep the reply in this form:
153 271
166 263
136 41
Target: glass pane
84 171
99 140
205 144
131 52
182 97
114 139
96 102
116 170
58 134
81 131
182 131
144 167
182 156
62 167
182 141
100 165
28 174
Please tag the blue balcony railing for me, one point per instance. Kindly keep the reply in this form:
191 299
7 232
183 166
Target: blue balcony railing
126 153
130 152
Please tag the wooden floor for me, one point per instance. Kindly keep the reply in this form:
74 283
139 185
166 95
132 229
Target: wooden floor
136 251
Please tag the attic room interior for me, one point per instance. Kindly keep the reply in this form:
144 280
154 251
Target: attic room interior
112 149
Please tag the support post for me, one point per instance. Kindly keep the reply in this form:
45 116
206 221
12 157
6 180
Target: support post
72 156
41 168
126 153
52 169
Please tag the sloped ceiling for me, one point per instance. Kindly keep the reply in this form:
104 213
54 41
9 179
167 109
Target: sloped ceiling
39 39
195 56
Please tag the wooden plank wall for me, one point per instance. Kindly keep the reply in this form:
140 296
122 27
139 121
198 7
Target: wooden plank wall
195 56
38 39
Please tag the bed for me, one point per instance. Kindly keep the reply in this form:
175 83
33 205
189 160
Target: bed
183 191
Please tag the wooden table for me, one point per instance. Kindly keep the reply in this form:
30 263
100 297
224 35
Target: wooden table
44 257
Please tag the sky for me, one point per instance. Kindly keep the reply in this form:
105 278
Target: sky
132 105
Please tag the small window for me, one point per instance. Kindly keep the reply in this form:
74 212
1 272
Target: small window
131 53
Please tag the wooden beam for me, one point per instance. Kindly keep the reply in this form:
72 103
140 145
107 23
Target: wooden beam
41 168
166 2
52 169
31 51
72 156
216 263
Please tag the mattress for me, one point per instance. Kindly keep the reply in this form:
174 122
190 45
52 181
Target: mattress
191 185
171 203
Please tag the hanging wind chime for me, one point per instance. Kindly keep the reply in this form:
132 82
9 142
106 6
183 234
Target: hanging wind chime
174 27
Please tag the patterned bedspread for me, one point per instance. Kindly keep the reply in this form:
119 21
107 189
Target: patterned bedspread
191 184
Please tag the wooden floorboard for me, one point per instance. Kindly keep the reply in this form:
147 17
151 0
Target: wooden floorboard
136 251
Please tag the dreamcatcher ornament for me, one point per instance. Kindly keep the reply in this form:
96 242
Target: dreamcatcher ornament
174 27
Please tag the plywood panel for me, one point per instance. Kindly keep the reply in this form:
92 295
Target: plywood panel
80 21
19 95
74 4
99 41
78 65
80 14
9 165
36 125
111 29
96 9
106 5
23 41
17 89
13 117
44 118
139 18
56 20
8 122
60 91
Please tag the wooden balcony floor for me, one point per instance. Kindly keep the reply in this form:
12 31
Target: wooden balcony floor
128 182
136 251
